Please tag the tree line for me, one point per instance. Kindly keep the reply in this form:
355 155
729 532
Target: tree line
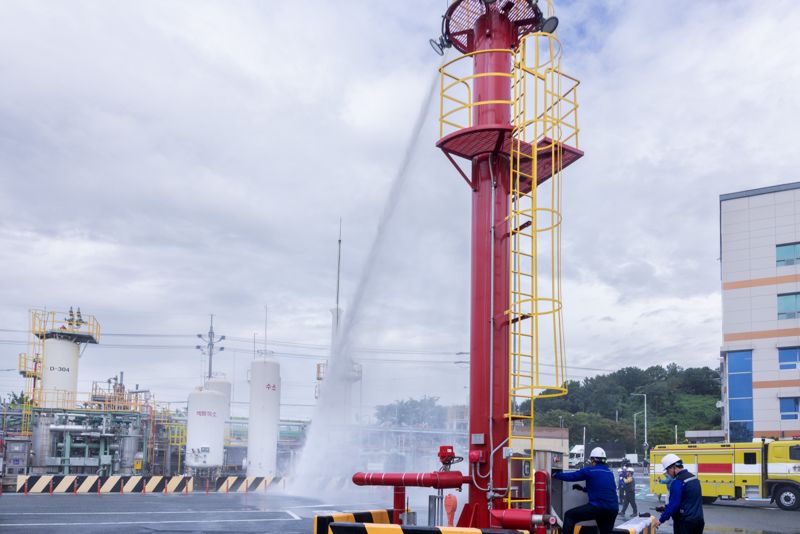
605 406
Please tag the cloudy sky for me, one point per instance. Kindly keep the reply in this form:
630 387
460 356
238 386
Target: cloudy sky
161 161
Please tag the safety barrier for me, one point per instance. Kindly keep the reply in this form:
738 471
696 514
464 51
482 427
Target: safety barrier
322 522
76 484
361 528
239 484
82 484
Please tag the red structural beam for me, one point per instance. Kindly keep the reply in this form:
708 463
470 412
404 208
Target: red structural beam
437 480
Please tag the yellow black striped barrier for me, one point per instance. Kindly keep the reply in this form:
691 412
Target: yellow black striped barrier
321 522
239 484
138 484
372 528
81 484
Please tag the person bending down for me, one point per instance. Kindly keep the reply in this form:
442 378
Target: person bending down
603 504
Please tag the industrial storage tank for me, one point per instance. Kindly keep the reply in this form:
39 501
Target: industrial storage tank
262 427
205 429
224 387
59 373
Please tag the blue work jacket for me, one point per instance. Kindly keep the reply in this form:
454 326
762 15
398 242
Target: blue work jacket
600 485
685 499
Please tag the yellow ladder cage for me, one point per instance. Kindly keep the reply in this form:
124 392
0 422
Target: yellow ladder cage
544 125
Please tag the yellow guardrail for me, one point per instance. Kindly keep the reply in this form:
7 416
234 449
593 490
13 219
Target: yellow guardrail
455 91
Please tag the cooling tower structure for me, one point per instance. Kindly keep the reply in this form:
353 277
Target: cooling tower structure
262 433
205 430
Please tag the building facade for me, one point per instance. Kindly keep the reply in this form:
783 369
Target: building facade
760 264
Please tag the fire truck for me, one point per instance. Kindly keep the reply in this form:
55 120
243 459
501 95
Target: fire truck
763 469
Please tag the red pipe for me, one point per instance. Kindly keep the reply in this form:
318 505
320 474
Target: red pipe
541 497
437 480
399 504
520 519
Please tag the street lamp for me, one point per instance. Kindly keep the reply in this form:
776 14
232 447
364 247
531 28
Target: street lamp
645 445
634 424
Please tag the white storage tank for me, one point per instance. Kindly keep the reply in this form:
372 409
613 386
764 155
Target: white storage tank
224 387
262 427
205 429
59 373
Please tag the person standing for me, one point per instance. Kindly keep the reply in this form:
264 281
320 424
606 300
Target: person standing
603 505
685 504
620 483
629 491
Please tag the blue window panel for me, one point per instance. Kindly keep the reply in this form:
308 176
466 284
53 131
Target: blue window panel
787 416
787 306
787 254
741 409
740 361
788 357
789 404
740 386
741 431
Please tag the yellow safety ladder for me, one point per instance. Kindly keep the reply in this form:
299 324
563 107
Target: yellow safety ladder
544 121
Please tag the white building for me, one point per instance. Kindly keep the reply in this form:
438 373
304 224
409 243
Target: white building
760 263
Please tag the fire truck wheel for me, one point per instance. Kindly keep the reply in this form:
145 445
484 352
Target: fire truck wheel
709 500
787 498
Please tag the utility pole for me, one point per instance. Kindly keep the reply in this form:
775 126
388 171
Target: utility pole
646 444
211 342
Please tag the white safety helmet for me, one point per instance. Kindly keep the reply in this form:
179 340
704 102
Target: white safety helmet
669 460
598 452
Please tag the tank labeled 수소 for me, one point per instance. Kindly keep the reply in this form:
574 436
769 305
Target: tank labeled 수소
262 433
205 429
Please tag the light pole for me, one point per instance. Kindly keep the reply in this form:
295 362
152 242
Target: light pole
634 425
645 445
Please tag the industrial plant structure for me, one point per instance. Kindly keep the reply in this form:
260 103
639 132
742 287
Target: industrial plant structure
115 430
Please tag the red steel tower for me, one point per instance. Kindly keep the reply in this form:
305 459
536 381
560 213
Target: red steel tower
508 122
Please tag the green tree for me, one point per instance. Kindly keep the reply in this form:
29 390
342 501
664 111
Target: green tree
424 412
18 399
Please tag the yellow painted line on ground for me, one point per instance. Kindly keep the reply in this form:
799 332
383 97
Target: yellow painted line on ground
66 484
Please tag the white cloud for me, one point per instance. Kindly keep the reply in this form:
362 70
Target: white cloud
162 161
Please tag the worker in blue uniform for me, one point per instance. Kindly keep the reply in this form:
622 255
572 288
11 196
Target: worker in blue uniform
685 504
601 486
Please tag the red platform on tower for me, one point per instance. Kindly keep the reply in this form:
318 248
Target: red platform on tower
469 143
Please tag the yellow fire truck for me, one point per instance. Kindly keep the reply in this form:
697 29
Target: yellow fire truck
763 469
